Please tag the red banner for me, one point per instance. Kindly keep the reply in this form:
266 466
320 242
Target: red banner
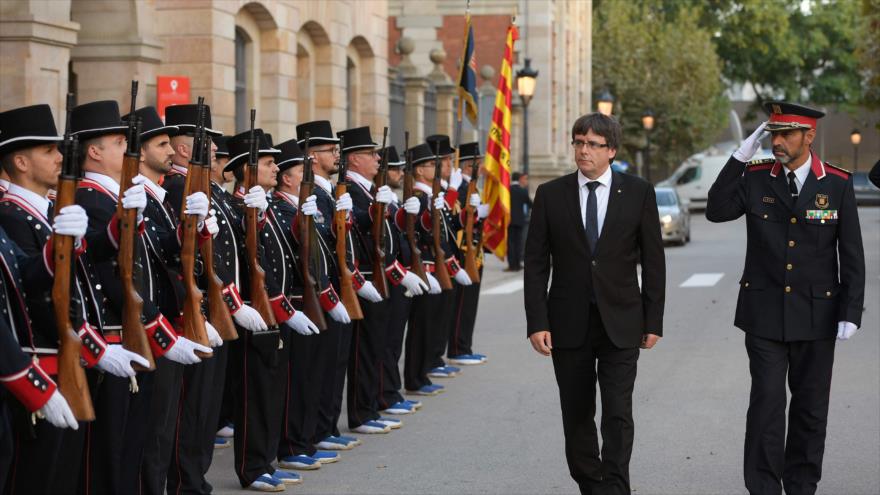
171 90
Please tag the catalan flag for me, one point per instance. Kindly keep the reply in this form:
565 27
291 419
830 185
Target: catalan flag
467 78
496 192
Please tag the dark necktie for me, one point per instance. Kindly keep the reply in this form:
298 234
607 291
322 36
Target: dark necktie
792 187
592 223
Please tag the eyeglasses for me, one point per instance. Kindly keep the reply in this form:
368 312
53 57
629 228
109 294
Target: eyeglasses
368 153
578 144
335 151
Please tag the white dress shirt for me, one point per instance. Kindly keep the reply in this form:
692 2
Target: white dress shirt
105 181
800 173
324 184
602 194
37 202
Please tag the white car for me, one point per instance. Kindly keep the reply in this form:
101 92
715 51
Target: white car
675 219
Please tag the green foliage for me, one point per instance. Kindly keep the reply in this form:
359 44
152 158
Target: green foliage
868 50
649 56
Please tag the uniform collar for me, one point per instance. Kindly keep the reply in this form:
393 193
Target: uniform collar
158 191
424 188
4 184
360 179
802 171
33 199
324 183
290 198
180 170
105 181
604 179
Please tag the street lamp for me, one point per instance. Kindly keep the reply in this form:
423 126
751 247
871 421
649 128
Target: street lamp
605 102
855 138
525 84
648 125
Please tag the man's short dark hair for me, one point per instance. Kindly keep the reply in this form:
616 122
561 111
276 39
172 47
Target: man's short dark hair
604 125
515 177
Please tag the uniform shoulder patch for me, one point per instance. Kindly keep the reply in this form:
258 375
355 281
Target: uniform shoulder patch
838 171
758 165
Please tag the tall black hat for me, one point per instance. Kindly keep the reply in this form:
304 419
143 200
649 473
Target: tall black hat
27 126
469 151
222 150
291 155
356 139
186 117
97 118
785 116
422 153
320 132
239 148
393 159
151 124
445 147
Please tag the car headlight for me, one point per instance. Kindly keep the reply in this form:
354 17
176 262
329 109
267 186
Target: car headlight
666 219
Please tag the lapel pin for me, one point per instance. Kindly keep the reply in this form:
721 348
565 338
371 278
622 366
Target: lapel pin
619 191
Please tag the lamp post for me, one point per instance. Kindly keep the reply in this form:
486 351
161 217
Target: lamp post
855 138
648 125
525 84
605 102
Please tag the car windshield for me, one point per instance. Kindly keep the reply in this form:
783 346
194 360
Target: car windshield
666 198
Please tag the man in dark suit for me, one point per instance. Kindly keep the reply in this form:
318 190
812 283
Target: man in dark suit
803 285
520 204
590 229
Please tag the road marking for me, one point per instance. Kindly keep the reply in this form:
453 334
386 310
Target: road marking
702 280
505 288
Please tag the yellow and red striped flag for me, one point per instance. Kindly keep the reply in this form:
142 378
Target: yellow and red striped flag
496 192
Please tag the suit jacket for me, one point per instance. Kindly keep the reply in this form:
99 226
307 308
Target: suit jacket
792 286
519 199
557 246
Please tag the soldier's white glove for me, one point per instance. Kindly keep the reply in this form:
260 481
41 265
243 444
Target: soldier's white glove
439 202
302 325
368 291
310 206
256 198
462 278
750 145
211 223
250 319
482 211
213 335
197 204
433 284
344 203
412 205
845 330
339 313
384 195
117 361
415 286
135 197
183 351
58 413
455 179
474 200
73 221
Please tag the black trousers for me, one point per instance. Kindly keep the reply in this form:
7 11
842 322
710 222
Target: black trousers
577 371
117 434
160 427
201 391
326 363
464 318
421 323
441 327
364 363
340 372
514 246
302 395
389 378
771 459
7 441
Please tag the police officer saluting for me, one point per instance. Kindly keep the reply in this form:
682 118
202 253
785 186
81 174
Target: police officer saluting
802 286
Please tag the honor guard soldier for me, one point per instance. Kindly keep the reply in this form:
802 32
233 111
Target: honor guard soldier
803 285
459 349
255 358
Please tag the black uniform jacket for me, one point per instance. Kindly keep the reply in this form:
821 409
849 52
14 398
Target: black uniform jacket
793 287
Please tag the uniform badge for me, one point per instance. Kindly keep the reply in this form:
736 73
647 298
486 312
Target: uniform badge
777 109
768 199
822 201
319 217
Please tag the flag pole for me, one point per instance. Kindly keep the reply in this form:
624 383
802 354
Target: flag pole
467 16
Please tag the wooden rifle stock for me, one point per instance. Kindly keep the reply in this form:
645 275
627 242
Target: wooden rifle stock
71 378
134 336
346 285
259 297
218 313
378 229
416 265
307 241
436 227
470 254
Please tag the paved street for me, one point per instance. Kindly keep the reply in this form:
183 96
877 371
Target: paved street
498 427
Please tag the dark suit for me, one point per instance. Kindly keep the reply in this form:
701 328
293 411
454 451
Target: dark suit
793 292
874 174
520 202
608 330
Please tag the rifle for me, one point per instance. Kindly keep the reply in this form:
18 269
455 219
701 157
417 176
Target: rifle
378 230
416 265
307 241
134 336
193 323
470 254
259 297
218 313
71 377
346 286
436 225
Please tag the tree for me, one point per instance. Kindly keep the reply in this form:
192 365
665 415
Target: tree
868 51
649 57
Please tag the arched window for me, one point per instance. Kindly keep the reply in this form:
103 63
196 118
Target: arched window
242 115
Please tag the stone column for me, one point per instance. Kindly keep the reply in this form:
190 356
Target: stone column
446 111
414 93
35 41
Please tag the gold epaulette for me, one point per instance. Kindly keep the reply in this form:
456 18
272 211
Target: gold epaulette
763 161
836 167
